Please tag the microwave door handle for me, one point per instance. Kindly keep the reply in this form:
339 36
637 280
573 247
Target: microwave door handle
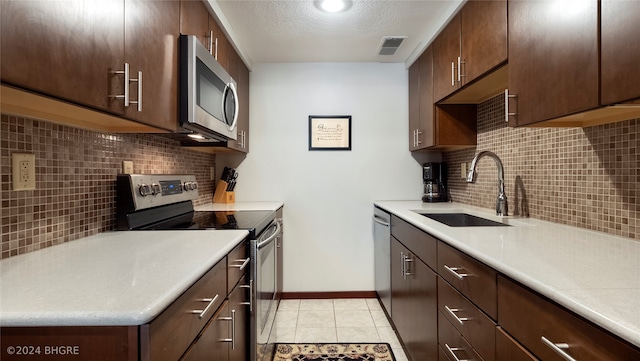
230 88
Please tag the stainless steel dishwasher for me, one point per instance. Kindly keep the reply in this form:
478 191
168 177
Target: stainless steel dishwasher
382 256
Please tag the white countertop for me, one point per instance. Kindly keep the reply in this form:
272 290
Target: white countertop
594 274
110 279
240 206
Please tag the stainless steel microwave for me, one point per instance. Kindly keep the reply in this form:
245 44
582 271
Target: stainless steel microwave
208 95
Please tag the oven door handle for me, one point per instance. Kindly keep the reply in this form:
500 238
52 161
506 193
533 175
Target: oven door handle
272 237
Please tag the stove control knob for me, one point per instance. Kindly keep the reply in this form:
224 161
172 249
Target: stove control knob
189 186
144 190
155 189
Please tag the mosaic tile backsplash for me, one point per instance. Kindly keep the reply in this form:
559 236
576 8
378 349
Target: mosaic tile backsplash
583 177
75 179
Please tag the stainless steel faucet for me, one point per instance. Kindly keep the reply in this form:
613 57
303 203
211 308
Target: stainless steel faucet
502 207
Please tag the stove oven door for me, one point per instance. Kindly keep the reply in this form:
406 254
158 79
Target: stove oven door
263 254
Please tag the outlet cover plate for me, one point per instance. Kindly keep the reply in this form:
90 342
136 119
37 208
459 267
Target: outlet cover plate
24 171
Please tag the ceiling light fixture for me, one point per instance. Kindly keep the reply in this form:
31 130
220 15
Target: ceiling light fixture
332 6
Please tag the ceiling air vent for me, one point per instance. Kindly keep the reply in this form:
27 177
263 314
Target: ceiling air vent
390 44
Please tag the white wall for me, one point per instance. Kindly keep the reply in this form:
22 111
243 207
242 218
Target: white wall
328 195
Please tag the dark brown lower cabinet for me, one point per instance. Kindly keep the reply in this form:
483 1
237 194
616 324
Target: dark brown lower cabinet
239 308
453 346
549 331
213 343
414 302
508 349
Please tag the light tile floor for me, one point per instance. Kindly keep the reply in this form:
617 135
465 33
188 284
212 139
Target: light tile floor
335 320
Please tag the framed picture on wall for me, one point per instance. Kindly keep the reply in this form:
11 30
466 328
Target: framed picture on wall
329 132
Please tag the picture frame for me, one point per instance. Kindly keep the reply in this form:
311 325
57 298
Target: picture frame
329 132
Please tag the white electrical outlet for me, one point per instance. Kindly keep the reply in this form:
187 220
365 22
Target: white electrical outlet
127 167
24 171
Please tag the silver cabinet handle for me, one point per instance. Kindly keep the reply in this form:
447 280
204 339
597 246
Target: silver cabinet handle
558 348
379 221
233 329
454 271
460 75
507 114
250 303
418 133
407 269
453 73
452 312
211 301
452 351
139 100
244 264
403 266
215 46
126 84
210 42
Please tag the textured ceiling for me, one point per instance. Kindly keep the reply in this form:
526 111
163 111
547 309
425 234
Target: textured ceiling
276 31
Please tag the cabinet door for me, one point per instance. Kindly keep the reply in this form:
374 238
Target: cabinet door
239 309
240 73
400 290
426 129
553 58
483 36
65 49
620 50
414 302
446 51
194 20
151 46
212 344
414 104
220 43
422 340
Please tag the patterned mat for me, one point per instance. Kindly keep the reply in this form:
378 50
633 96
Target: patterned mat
333 352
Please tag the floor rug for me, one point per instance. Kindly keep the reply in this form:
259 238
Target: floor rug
333 352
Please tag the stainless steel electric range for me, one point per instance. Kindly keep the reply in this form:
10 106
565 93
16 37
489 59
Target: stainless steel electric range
165 202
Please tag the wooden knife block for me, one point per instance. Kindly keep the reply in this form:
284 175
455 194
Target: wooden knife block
221 195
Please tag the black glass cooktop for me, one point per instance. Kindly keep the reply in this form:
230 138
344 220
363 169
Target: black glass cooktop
253 221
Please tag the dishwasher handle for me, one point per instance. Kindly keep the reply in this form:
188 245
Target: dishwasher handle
380 221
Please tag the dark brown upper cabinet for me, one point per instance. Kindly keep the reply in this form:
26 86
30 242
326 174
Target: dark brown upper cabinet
67 52
620 51
553 59
194 20
240 73
151 49
472 44
436 127
79 53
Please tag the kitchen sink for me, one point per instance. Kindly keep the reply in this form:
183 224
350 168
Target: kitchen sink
462 220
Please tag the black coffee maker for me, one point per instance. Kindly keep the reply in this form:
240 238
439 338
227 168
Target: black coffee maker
434 177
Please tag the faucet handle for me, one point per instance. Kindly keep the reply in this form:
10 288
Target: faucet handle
502 207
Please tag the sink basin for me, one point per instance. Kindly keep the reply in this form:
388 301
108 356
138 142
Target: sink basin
462 220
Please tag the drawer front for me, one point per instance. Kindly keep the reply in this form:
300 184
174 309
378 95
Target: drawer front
170 334
473 324
419 242
531 319
238 260
470 277
508 349
452 345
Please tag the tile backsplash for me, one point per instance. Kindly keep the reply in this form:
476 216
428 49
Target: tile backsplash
75 179
583 177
